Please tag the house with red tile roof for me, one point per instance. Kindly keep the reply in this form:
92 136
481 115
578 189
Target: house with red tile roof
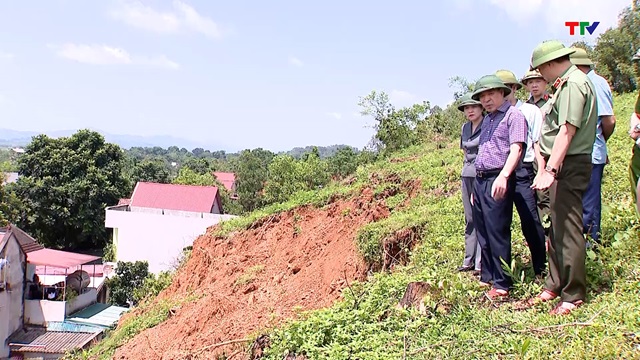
160 220
228 179
190 198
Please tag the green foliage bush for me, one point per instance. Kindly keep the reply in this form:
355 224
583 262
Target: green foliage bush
129 277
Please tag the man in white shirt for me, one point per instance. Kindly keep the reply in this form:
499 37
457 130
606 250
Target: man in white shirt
592 198
525 199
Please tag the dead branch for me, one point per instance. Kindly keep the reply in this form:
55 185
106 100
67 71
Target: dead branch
553 327
224 343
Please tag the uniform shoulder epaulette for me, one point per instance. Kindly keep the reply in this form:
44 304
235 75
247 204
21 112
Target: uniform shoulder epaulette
559 82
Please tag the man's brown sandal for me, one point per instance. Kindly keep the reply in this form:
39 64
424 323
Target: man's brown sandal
566 307
543 297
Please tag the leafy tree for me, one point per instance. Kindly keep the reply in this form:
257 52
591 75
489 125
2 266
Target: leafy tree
65 185
187 176
343 163
615 47
284 180
251 175
314 172
151 170
324 152
460 85
197 151
152 286
129 277
395 129
199 165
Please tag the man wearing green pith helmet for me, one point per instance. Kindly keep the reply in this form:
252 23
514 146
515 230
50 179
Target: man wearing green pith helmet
634 132
566 144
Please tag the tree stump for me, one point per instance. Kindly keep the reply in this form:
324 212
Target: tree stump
257 349
414 296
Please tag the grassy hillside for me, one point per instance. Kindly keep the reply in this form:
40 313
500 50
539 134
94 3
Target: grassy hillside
461 323
458 321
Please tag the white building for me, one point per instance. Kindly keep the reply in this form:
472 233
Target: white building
35 325
13 267
160 220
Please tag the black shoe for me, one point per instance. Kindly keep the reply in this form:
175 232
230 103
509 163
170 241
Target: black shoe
465 268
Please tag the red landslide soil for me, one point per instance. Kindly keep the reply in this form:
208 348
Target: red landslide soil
257 278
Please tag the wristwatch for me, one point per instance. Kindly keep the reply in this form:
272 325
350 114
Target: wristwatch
551 170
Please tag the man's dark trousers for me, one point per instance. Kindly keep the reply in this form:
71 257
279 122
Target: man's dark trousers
592 203
526 204
493 227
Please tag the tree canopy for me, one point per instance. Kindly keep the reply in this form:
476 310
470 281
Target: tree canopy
65 185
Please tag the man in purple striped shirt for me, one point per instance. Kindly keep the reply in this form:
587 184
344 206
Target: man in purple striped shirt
502 141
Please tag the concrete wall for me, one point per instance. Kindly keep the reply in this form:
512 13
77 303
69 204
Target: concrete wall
81 302
12 295
41 356
147 234
38 312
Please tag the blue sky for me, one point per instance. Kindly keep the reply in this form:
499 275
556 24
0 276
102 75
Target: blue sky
275 74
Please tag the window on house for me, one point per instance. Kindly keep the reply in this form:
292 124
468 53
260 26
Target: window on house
3 273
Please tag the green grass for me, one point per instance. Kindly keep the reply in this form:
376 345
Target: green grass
367 325
458 322
152 314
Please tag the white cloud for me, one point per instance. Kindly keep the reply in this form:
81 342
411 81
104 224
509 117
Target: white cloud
108 55
335 115
295 61
183 17
6 56
400 98
197 22
556 12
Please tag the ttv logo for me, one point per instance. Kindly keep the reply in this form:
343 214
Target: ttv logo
583 25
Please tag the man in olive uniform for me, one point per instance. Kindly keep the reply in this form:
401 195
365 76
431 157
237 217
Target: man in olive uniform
592 200
537 86
634 132
566 143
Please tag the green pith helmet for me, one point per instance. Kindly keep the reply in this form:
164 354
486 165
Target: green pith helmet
636 57
547 51
467 100
580 57
508 78
531 74
489 82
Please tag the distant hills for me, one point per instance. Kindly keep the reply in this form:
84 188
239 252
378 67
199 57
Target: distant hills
10 137
18 138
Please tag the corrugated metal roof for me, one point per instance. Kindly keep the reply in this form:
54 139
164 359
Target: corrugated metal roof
98 314
174 197
48 342
66 326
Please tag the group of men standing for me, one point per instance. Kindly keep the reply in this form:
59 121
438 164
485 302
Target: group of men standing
545 156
